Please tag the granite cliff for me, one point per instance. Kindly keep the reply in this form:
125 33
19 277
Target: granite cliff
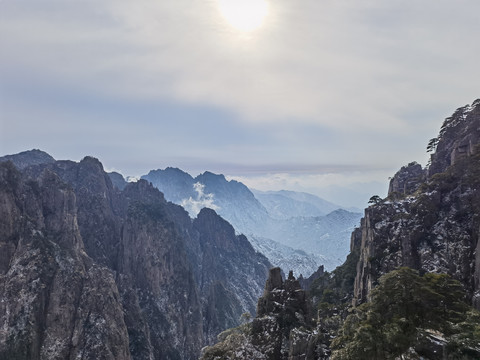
430 220
92 272
280 331
56 303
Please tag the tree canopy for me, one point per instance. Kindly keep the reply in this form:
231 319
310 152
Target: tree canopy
404 308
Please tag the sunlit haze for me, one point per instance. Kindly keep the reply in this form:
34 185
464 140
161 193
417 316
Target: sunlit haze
244 15
278 94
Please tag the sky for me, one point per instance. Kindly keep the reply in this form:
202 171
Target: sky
330 97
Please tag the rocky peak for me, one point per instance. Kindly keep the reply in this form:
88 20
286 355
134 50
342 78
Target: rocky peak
223 188
457 139
231 274
305 283
91 161
28 158
170 171
211 176
280 331
283 302
143 191
169 177
173 182
118 180
274 280
221 233
407 179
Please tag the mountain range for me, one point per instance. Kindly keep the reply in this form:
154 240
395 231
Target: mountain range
91 272
279 224
285 204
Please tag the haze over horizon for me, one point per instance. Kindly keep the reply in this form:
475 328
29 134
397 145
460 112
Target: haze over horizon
325 97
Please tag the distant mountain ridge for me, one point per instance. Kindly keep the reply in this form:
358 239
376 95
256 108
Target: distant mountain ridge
279 232
285 204
278 223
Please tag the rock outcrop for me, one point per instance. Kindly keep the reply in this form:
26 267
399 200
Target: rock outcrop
28 158
123 274
407 180
282 329
459 135
282 308
231 274
118 180
434 226
56 303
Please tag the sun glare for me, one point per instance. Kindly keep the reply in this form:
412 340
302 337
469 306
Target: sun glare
244 15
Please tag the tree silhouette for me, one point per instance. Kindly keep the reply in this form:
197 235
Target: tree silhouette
432 145
375 199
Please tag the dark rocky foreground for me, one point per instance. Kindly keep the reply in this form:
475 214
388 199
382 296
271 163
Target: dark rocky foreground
91 272
276 333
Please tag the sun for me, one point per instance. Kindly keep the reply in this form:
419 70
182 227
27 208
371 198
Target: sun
244 15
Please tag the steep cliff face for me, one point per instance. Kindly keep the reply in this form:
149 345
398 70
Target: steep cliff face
156 280
99 207
55 302
232 274
407 179
176 283
457 138
434 226
118 180
137 235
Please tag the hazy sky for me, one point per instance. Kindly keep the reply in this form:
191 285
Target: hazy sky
322 95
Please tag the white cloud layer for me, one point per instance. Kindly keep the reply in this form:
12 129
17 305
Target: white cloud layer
337 63
203 200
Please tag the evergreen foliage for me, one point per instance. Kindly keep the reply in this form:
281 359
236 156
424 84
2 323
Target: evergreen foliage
432 144
404 309
336 288
375 199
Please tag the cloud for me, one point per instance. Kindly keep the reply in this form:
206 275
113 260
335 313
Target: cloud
339 64
203 200
151 83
